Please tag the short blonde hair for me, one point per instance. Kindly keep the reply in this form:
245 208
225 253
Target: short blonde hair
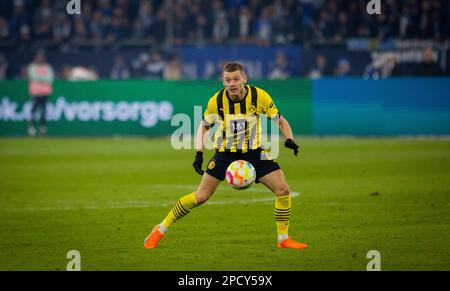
233 67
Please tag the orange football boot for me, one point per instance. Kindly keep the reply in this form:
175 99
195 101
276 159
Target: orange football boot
151 241
291 244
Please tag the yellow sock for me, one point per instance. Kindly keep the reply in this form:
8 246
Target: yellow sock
282 216
181 209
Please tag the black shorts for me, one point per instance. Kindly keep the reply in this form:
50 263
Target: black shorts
219 163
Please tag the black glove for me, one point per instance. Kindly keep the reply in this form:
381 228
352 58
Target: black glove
198 163
290 144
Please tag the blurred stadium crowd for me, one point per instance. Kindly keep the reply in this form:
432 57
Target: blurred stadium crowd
117 24
265 22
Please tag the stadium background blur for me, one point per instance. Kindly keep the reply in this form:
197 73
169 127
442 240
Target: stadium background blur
129 39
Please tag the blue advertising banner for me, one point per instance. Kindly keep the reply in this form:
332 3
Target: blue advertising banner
402 106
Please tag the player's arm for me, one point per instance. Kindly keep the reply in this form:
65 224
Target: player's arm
286 130
287 133
198 162
201 132
203 129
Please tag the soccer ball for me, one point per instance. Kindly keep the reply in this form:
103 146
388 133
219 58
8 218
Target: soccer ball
240 175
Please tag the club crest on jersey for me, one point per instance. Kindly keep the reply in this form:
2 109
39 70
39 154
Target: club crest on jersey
211 165
252 109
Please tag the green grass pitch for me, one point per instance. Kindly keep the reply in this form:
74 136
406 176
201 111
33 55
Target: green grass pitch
102 197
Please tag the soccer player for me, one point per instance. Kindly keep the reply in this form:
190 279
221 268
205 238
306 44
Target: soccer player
237 110
41 77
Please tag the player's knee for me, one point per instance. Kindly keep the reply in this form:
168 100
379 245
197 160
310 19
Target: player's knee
201 197
283 191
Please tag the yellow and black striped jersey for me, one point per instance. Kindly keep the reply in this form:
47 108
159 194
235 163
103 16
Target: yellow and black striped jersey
239 123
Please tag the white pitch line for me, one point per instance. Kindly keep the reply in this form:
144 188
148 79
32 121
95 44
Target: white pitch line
130 204
256 200
185 186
